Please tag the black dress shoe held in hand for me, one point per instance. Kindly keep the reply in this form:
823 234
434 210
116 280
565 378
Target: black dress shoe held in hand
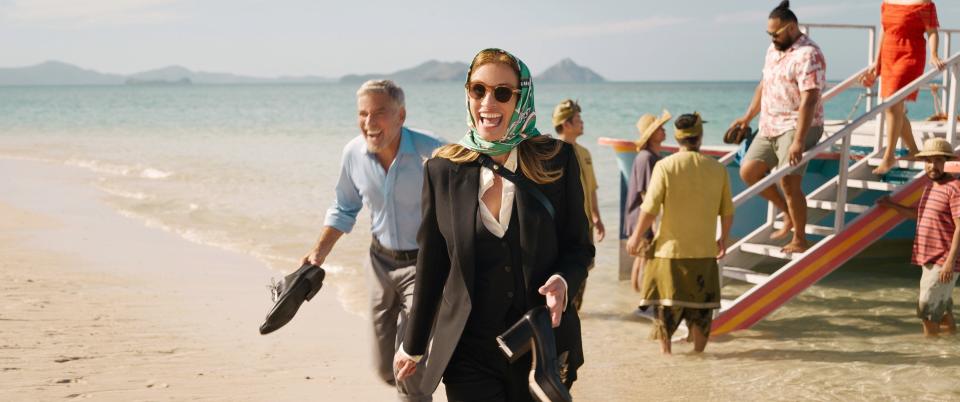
736 134
535 332
292 291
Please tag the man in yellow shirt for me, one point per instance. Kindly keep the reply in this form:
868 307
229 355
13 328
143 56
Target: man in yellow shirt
682 279
569 126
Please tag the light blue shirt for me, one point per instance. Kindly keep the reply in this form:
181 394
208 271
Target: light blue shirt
393 196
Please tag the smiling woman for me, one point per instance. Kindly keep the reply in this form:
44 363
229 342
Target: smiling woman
477 227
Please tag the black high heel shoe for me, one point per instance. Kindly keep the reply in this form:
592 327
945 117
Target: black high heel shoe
534 332
290 293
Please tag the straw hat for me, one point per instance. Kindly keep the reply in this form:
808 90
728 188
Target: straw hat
936 147
648 124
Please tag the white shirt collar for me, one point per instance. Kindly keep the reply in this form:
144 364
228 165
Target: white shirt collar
507 196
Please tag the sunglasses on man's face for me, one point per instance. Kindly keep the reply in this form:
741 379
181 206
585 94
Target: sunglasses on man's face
501 93
778 32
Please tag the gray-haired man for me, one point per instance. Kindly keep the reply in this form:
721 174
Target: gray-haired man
383 168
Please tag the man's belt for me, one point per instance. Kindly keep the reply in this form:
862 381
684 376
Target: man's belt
403 255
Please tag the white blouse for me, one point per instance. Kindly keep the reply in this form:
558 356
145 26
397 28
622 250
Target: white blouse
498 228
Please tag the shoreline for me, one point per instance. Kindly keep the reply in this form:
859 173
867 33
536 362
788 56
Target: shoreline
99 306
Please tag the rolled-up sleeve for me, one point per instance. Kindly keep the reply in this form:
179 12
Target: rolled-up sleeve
347 203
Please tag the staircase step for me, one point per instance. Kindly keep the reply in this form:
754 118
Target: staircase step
767 250
832 206
810 229
900 174
745 275
912 165
871 185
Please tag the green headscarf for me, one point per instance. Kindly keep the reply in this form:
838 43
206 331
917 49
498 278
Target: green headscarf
523 122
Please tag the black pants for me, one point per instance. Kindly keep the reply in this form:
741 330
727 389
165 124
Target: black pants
479 372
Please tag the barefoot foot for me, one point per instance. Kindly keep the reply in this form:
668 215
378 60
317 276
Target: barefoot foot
884 167
782 232
795 246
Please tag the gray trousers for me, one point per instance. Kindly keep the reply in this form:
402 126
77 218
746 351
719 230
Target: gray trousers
391 296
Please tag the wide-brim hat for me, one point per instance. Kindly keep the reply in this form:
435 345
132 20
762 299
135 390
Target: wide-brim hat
648 124
936 147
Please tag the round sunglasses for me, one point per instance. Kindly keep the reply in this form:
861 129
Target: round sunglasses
501 93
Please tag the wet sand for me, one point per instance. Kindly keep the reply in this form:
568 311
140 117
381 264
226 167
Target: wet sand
98 306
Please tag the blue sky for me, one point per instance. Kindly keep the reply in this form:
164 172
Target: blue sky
621 40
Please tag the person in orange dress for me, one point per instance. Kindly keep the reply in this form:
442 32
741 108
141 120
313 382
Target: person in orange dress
901 60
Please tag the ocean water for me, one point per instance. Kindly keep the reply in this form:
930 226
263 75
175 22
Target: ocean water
252 168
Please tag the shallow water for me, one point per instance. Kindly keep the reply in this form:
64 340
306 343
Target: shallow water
251 169
852 336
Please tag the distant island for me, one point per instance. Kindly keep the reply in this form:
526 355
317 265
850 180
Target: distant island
566 71
60 73
176 73
56 73
430 71
138 81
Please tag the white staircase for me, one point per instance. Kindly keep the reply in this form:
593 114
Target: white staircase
830 246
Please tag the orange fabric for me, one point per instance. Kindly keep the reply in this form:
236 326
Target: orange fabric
903 53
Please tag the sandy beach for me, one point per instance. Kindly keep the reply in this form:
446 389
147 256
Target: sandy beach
98 306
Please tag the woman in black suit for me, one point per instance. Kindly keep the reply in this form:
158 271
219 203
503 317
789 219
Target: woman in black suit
491 250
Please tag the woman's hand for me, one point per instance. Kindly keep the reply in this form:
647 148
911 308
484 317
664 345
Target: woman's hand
404 366
556 292
935 60
869 77
601 231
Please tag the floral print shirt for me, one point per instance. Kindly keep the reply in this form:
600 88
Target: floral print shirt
786 74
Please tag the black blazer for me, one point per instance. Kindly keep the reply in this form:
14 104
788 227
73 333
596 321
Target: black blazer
445 266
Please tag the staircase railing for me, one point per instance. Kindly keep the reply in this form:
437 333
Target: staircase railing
952 65
947 39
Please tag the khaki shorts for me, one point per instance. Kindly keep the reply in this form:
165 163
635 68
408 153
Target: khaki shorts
773 151
935 297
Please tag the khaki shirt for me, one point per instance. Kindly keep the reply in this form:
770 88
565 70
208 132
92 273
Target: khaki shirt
588 179
691 189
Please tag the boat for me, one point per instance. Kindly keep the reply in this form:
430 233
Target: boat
839 178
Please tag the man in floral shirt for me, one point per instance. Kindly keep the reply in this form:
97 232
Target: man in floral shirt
791 119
